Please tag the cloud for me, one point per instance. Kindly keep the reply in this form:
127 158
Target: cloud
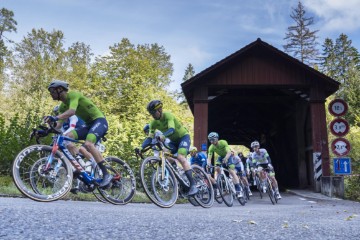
335 15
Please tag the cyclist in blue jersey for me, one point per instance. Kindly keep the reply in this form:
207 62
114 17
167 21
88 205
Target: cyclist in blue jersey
200 159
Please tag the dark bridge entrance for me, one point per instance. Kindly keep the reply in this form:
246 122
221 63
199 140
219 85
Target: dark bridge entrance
260 93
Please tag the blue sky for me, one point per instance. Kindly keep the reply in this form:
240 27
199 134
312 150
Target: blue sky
200 32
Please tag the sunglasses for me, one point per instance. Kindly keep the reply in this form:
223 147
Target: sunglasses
213 140
52 90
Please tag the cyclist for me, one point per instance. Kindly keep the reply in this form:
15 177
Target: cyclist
179 137
250 169
239 166
74 103
262 160
222 148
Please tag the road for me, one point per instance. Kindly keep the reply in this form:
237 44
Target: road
294 217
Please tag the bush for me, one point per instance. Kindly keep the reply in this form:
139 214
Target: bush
352 187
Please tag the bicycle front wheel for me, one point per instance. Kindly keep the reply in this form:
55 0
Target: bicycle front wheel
205 195
225 190
271 193
39 178
161 188
123 183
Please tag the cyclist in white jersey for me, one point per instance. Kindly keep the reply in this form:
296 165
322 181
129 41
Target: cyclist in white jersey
239 166
261 159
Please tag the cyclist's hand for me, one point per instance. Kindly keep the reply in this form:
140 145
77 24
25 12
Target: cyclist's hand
271 168
137 151
50 119
162 137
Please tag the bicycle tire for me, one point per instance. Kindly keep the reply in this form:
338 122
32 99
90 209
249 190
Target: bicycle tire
225 191
270 192
205 195
163 193
46 186
99 197
258 186
193 202
246 190
123 185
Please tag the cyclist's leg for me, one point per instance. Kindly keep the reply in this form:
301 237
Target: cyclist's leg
275 184
235 179
97 130
182 151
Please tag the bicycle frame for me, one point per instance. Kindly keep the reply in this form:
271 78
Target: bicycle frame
58 141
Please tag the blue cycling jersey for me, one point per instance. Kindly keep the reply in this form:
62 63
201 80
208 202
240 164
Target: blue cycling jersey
199 159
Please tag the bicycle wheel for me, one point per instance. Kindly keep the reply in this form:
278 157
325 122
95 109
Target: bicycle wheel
225 190
242 199
99 197
193 201
205 195
39 179
161 191
246 190
258 186
123 184
270 192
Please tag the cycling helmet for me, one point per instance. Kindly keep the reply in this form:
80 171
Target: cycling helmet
58 83
213 135
146 128
56 110
254 144
154 105
193 149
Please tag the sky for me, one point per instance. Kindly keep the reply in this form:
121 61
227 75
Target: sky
200 32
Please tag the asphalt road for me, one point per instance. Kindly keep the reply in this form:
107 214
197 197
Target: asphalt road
294 217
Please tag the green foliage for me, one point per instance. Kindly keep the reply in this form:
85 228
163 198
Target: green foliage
14 136
352 187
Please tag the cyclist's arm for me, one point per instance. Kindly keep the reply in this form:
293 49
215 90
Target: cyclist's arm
67 114
171 126
72 123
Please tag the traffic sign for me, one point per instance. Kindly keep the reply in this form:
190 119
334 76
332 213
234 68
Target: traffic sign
342 165
338 107
339 127
340 147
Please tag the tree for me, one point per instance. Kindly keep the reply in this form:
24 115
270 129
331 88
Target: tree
7 25
301 41
179 95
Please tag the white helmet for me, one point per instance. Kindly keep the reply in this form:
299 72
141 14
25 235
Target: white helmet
193 149
254 144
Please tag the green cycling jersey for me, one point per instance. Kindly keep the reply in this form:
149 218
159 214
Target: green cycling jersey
84 107
222 148
167 121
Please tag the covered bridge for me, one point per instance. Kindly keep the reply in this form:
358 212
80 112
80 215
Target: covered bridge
261 93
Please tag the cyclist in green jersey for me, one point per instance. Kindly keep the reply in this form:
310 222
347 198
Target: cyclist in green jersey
74 103
222 149
179 137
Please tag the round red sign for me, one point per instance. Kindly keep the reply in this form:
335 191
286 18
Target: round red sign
338 107
340 147
339 127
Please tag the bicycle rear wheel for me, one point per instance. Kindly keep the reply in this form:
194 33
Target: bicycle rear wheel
225 190
205 195
123 184
37 178
161 190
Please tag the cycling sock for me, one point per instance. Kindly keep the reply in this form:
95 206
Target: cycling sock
188 174
103 168
237 187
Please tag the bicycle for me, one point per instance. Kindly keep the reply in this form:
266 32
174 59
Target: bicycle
227 188
258 183
243 186
267 183
163 183
45 173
